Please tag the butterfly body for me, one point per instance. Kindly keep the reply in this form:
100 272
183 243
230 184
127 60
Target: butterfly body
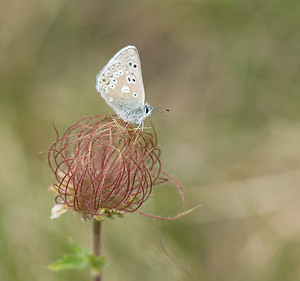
121 85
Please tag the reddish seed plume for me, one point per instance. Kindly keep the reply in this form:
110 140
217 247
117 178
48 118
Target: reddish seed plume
100 163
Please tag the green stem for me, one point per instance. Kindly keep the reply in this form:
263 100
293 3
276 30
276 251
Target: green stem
96 245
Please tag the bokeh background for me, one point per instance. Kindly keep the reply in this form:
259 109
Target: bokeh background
228 69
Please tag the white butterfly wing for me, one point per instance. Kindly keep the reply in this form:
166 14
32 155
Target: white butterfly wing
120 82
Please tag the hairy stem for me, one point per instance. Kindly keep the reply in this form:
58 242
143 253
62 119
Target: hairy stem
96 244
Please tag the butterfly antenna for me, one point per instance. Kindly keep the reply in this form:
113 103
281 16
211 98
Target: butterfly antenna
161 110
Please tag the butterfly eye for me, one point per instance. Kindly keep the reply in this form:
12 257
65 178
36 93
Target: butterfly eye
146 109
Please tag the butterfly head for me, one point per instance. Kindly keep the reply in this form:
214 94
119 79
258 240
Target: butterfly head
148 110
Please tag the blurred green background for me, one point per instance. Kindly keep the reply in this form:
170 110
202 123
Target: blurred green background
229 70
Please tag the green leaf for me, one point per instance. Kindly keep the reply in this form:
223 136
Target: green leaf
81 258
69 262
96 263
77 249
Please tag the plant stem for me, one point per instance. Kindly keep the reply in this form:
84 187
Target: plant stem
96 244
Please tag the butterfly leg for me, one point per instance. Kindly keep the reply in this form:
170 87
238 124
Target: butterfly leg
141 123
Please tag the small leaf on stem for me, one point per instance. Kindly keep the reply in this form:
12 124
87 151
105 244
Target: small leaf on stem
69 262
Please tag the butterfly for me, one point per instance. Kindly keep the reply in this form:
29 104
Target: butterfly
120 83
